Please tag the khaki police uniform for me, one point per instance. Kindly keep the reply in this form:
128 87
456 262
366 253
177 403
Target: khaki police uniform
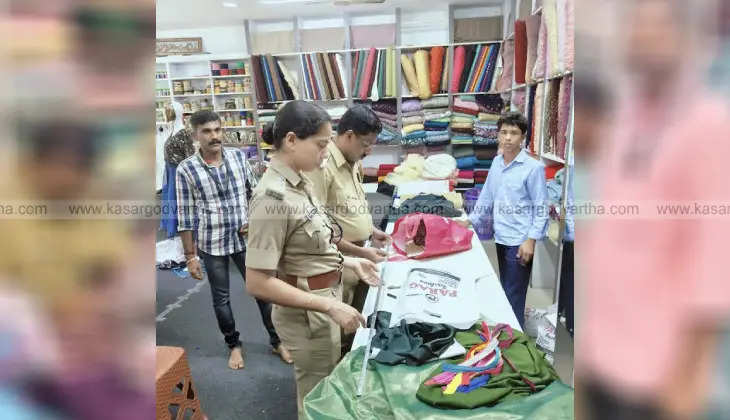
339 187
289 232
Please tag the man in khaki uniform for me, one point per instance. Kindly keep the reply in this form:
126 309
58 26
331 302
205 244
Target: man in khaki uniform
338 185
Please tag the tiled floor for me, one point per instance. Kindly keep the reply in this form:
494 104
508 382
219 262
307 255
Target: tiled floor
541 299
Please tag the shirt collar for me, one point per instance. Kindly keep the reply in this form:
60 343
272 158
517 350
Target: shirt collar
203 162
336 154
284 170
521 157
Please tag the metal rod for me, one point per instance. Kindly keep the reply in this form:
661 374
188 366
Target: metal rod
371 327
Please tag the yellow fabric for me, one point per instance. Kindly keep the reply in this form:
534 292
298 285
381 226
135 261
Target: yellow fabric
339 187
411 128
287 229
410 74
462 125
422 74
390 75
488 117
453 385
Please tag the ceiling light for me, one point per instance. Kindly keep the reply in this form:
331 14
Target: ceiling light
230 4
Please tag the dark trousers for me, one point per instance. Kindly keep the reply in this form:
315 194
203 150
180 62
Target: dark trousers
565 299
218 275
515 279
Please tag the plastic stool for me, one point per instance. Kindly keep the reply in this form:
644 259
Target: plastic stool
176 397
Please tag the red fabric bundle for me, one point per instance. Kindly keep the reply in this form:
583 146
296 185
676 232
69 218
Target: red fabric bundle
466 111
520 50
367 79
437 67
419 235
459 58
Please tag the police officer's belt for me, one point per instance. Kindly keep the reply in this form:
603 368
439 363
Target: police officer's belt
321 281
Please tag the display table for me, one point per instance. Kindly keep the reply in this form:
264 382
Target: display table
390 391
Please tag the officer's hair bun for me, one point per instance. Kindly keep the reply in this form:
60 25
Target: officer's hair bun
267 134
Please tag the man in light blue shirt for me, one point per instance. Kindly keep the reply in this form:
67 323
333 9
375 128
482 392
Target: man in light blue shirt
514 202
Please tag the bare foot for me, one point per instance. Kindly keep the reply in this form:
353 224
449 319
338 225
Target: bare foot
236 359
283 353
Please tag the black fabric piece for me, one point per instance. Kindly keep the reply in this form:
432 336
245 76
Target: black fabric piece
385 188
429 204
530 115
492 104
412 344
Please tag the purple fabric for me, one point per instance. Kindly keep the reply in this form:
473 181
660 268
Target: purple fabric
411 105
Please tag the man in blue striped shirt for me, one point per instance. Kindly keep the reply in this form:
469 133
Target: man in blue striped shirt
514 202
212 191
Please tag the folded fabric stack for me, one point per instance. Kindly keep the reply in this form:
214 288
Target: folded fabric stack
414 133
473 163
485 133
266 116
373 74
386 110
462 120
384 170
465 179
480 176
437 119
323 75
273 80
490 104
462 151
425 72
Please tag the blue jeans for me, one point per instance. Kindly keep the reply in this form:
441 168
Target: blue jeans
515 278
219 277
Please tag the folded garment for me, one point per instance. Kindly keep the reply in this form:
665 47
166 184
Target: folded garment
485 153
465 174
385 115
481 172
416 134
411 128
466 111
436 102
370 172
411 105
437 142
485 141
469 105
472 162
412 114
458 117
459 151
414 142
436 133
459 125
443 139
435 116
436 110
488 117
485 124
440 120
388 106
436 126
460 142
416 119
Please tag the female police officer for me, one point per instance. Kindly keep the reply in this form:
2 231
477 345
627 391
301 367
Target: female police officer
290 232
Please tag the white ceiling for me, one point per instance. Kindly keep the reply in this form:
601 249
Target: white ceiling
184 14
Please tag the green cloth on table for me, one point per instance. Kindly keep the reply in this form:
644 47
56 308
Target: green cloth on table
390 393
507 386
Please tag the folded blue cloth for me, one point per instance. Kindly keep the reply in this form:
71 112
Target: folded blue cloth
479 140
416 134
436 133
472 162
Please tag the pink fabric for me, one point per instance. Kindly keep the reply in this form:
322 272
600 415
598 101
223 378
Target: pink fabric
366 85
647 281
520 51
508 56
569 41
563 114
459 58
458 102
538 71
533 33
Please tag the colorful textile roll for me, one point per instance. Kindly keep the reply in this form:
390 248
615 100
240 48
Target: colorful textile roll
409 72
459 58
436 63
422 66
520 58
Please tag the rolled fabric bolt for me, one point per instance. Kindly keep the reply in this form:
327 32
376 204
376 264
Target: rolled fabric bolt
421 59
409 71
